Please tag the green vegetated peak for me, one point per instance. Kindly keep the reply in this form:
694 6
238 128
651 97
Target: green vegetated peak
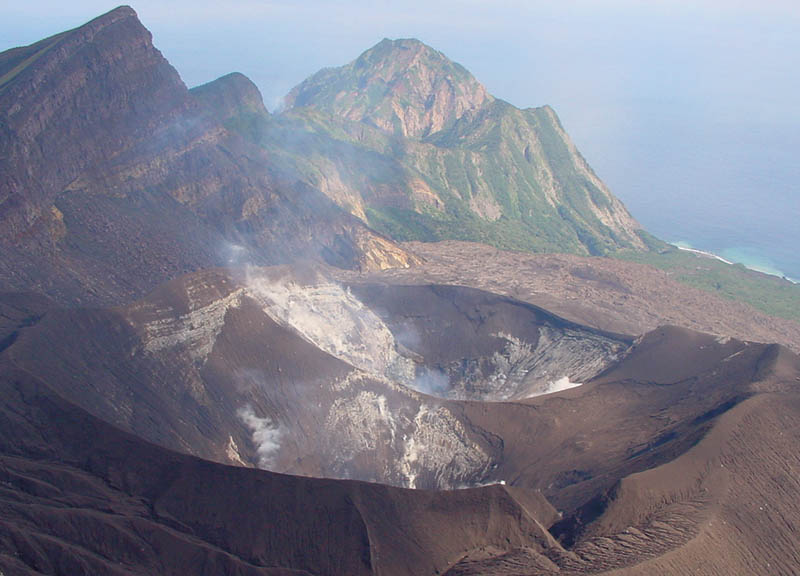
412 143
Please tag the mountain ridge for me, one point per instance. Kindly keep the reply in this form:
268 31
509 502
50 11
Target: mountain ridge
115 177
453 162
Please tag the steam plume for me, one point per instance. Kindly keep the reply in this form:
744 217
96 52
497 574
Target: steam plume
432 382
266 436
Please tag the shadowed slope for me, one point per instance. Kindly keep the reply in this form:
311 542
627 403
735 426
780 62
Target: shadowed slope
80 497
727 506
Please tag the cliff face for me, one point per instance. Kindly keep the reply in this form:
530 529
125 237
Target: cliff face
115 178
74 101
410 141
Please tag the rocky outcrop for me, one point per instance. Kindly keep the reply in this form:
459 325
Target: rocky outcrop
231 96
74 101
403 87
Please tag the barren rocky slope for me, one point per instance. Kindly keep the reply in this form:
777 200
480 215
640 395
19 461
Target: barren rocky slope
82 498
608 294
679 455
301 375
295 374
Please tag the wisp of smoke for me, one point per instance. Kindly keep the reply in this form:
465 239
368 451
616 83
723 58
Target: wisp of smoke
431 382
407 336
266 436
233 254
481 484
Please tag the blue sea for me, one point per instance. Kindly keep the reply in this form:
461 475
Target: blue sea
730 188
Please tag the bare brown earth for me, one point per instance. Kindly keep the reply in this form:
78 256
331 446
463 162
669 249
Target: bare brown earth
179 367
79 497
727 506
680 456
609 294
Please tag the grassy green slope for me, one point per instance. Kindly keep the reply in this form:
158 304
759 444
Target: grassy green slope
451 168
513 163
462 164
769 294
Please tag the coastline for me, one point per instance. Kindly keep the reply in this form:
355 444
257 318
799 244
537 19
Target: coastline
705 254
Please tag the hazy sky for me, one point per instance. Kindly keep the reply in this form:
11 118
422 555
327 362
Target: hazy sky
674 103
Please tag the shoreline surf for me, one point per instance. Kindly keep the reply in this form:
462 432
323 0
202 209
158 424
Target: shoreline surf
686 247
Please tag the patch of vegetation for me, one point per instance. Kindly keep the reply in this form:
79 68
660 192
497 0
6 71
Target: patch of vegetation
504 233
482 156
769 294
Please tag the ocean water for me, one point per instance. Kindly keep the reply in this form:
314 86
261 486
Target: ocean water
731 188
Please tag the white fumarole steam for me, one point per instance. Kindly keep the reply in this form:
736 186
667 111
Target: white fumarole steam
560 384
431 381
266 436
334 320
